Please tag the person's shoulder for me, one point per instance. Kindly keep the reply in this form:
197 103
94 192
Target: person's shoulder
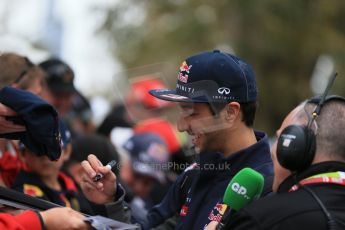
29 184
24 177
274 208
267 204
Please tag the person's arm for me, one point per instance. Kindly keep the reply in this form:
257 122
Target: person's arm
8 126
52 219
63 219
104 192
24 221
109 193
171 204
118 209
165 214
157 216
100 192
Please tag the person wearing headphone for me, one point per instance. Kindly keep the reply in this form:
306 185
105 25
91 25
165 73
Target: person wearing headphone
309 166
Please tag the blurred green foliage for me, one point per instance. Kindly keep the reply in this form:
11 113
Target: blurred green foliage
282 40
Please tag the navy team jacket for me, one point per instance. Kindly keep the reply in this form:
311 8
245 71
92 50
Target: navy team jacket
197 191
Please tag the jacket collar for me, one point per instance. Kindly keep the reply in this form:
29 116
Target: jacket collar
327 166
256 155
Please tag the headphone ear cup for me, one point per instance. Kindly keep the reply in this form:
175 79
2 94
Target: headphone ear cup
296 147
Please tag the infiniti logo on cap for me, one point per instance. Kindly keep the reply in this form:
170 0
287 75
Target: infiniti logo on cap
223 90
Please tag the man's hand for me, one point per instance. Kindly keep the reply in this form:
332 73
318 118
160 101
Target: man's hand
64 219
8 126
212 225
100 192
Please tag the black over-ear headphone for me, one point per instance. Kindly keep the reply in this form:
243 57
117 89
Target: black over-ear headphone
296 145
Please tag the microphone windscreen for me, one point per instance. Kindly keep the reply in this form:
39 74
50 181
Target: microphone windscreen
244 187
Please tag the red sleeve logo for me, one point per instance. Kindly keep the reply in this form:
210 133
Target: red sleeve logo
184 210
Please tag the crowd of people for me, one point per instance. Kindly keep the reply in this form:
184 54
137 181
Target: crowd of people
161 179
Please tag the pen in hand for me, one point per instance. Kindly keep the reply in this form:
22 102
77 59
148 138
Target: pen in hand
99 176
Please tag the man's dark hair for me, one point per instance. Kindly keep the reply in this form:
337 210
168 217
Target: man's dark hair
56 68
96 144
248 110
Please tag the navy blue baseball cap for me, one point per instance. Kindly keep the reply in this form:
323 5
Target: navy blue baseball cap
60 76
212 77
41 120
65 136
148 153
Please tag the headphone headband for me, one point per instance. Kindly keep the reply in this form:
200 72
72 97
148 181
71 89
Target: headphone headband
317 110
317 99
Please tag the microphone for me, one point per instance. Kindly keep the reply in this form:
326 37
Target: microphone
244 187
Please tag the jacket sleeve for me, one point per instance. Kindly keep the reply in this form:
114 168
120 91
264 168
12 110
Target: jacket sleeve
168 207
24 221
118 210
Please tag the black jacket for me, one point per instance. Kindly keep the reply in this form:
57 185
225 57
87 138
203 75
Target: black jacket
298 209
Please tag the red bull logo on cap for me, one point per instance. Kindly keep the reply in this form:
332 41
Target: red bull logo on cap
184 71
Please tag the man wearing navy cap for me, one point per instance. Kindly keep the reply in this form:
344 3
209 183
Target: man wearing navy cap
146 152
60 81
217 94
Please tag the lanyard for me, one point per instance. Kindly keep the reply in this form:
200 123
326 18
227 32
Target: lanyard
323 178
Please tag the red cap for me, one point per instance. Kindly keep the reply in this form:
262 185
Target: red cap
139 92
163 128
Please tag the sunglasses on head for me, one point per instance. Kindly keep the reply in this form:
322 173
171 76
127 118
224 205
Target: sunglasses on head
29 65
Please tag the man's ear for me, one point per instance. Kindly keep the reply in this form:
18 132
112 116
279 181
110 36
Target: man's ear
232 111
